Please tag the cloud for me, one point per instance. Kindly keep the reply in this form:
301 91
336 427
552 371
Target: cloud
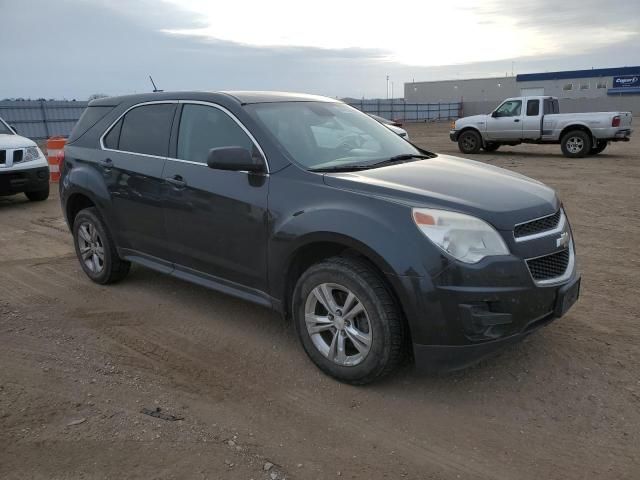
89 46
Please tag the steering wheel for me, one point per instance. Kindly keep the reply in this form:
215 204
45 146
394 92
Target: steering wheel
350 142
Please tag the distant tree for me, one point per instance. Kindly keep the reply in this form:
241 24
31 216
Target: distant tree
96 96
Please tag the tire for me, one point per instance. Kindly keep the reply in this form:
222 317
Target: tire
38 195
373 340
103 265
491 146
576 144
598 147
469 142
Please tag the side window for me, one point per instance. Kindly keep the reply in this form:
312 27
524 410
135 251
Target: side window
533 108
203 128
112 138
146 129
510 108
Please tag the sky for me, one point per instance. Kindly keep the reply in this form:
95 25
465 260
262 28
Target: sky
76 48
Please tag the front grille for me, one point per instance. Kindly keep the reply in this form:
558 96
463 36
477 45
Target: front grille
536 226
18 156
3 157
549 266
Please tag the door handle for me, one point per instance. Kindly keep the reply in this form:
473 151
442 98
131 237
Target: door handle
177 181
517 120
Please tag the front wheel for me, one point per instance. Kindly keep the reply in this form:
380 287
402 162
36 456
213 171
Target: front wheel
347 320
576 144
469 142
599 147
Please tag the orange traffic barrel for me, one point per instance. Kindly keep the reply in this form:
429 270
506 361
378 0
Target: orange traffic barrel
55 155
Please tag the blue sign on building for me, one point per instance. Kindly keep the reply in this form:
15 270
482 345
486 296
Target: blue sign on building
626 81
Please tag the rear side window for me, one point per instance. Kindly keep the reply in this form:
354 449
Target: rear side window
533 108
146 129
112 138
203 128
88 119
551 106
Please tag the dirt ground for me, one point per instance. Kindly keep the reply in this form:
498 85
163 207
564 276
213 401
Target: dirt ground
78 363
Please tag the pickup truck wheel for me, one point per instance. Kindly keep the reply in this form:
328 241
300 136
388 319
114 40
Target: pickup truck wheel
348 322
599 147
96 249
576 144
469 142
491 147
38 195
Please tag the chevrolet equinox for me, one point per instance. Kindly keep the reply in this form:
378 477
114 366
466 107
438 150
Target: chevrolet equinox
377 250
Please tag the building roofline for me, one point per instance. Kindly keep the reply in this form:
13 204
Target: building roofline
569 74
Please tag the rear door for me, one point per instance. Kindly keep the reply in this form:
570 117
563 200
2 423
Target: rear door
532 119
134 153
216 220
506 121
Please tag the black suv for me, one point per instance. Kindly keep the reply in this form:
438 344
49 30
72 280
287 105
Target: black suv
378 250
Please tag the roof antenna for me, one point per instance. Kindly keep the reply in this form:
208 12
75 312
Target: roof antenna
155 89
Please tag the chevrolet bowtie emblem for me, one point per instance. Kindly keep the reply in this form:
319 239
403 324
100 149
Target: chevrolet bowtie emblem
563 240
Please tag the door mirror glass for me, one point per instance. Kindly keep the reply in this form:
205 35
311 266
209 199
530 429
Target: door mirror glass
235 159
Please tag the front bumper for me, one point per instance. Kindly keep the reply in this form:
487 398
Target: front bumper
447 358
453 135
23 180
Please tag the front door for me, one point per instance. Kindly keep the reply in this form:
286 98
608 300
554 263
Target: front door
134 154
216 220
505 123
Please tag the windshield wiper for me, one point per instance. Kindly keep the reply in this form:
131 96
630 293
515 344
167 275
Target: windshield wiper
350 168
400 158
341 168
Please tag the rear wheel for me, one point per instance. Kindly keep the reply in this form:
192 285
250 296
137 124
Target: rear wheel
576 144
347 320
469 142
38 195
96 250
491 146
599 147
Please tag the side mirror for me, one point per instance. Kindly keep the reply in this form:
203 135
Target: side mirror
13 127
494 114
235 159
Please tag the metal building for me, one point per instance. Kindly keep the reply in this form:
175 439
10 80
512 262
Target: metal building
600 89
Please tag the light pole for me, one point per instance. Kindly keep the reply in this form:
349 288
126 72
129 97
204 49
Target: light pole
387 87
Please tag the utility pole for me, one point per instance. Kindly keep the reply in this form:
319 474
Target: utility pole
387 87
392 91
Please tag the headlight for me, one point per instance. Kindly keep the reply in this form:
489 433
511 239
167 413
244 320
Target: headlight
464 237
31 153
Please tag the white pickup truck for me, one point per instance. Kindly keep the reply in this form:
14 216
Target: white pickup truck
537 120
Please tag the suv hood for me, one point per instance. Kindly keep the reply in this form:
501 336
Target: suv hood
14 141
498 196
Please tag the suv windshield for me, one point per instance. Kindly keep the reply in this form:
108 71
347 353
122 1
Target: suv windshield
319 135
4 128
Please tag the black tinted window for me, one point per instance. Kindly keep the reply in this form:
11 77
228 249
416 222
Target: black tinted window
533 108
146 129
112 138
203 128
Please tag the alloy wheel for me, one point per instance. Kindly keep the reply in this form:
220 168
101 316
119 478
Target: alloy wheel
91 247
338 324
575 144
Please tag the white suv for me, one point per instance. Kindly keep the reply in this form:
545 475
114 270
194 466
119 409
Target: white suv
23 167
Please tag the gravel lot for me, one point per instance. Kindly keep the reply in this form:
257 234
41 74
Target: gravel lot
79 362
